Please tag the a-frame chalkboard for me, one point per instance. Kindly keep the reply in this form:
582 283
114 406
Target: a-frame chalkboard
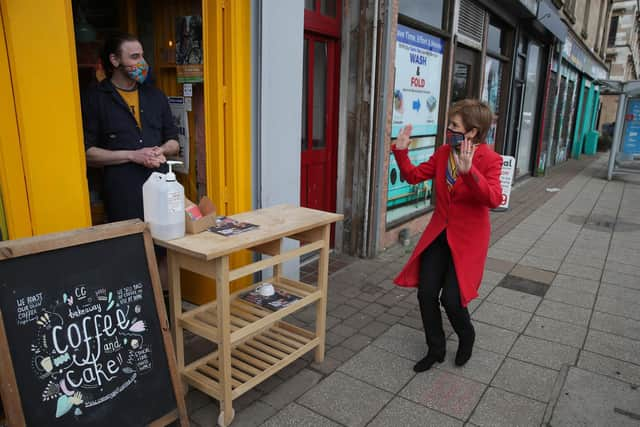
84 336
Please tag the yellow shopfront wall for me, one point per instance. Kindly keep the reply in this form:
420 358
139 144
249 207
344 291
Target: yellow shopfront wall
43 175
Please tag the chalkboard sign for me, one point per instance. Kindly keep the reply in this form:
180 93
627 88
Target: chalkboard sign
84 337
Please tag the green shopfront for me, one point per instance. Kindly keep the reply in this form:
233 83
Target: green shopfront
578 104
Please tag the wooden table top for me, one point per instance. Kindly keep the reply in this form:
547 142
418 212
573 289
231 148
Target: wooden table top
274 222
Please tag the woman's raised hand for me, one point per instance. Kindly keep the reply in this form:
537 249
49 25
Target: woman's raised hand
403 140
464 159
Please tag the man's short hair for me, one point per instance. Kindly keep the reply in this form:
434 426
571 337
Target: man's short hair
113 45
474 114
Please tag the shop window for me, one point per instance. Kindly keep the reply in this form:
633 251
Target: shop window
491 93
495 38
327 8
465 74
585 20
416 100
613 31
430 12
320 90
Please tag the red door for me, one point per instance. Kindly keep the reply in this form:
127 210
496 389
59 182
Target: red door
319 106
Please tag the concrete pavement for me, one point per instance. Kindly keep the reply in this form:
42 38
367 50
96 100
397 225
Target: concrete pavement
557 323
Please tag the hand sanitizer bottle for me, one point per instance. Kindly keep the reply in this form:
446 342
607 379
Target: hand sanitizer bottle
163 201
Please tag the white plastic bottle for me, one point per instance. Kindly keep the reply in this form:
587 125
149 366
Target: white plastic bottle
163 201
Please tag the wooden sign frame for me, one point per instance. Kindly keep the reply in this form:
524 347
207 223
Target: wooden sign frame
17 248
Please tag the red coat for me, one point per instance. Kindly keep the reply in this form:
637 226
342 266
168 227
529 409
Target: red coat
464 212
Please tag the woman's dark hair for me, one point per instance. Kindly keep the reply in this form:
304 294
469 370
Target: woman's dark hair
113 44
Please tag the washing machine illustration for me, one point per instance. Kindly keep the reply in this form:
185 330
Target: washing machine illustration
400 192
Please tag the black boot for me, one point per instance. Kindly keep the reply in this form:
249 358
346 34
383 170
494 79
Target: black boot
426 363
465 348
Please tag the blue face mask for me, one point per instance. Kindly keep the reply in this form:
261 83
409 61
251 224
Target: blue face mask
139 72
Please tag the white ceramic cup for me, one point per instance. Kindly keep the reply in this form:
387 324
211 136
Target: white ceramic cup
266 289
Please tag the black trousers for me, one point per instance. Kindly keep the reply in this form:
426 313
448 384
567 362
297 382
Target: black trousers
439 283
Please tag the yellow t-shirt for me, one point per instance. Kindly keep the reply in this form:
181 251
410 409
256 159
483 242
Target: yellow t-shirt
133 101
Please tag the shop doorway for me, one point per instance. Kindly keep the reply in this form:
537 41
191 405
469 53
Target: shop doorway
465 74
320 80
528 117
171 35
319 123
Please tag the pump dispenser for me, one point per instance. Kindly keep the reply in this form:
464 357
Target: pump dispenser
163 200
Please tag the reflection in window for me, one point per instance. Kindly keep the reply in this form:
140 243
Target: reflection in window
495 38
305 77
319 93
310 4
328 8
428 11
460 85
491 92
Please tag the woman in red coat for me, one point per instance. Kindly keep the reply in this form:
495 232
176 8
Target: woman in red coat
449 259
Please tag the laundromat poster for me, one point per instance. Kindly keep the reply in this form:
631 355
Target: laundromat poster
416 94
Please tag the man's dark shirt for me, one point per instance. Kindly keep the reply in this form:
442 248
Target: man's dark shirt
109 124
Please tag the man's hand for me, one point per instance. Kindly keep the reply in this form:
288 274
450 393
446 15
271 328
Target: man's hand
403 141
464 159
150 157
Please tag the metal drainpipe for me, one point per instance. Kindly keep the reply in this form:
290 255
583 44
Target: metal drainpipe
374 48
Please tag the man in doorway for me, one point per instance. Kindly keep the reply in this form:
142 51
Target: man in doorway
128 127
128 131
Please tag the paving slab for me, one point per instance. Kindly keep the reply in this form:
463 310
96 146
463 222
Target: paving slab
556 330
582 271
514 299
571 297
254 415
380 368
498 265
291 389
564 312
576 283
345 399
620 293
614 346
619 307
493 338
526 379
403 341
482 366
502 316
402 412
295 415
543 353
591 399
543 263
502 408
533 273
356 342
616 325
445 392
614 368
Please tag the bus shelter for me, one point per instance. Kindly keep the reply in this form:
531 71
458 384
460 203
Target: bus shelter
624 156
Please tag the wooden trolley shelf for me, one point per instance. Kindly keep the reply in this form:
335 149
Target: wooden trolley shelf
253 361
246 318
253 342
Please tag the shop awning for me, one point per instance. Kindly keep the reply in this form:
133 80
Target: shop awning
549 18
615 87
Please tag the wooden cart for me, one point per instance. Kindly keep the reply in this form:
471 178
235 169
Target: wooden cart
253 343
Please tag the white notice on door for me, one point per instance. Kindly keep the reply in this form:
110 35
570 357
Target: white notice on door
506 180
